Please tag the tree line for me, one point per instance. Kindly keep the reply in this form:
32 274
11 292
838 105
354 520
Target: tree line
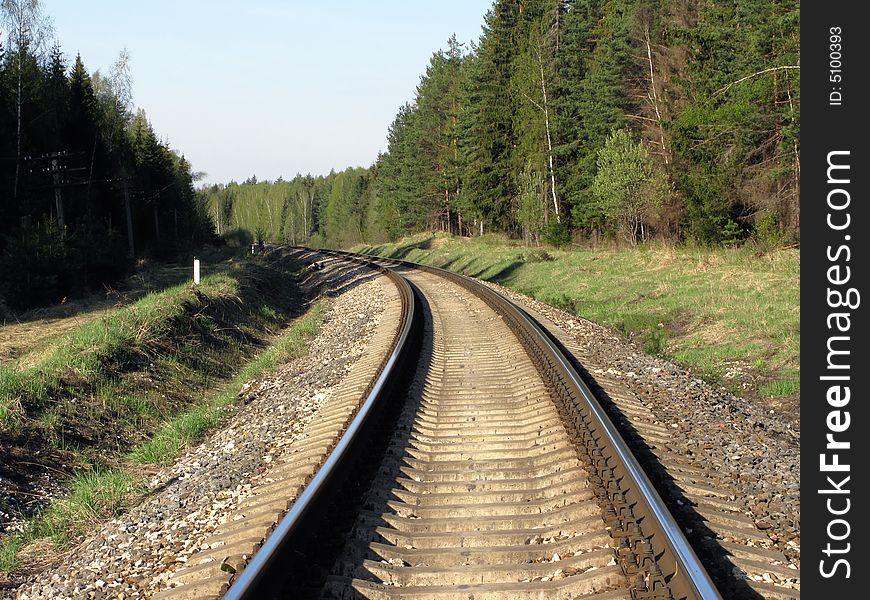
326 209
86 185
579 119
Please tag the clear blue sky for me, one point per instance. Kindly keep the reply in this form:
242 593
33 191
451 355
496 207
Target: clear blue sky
267 87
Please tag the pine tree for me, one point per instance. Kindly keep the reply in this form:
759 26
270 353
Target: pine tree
63 217
488 135
742 76
577 43
345 208
603 101
401 185
533 80
438 105
57 94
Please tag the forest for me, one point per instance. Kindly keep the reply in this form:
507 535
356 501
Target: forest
570 121
86 184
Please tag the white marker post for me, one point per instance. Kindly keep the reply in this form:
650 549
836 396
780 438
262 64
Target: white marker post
195 271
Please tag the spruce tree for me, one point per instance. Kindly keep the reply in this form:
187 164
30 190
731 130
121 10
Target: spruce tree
488 135
576 45
603 101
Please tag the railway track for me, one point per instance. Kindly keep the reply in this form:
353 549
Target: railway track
464 457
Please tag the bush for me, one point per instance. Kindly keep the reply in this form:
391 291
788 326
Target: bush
557 234
238 238
317 241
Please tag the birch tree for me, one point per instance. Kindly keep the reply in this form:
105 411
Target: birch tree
29 31
539 73
627 184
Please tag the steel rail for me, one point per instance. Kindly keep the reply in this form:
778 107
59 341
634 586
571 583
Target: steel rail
689 577
688 565
251 578
682 571
688 562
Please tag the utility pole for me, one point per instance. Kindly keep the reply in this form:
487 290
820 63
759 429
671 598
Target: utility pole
57 170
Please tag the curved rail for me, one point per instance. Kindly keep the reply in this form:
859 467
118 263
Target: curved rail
651 539
652 549
251 578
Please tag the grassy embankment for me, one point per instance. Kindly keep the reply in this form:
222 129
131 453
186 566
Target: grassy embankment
729 315
139 384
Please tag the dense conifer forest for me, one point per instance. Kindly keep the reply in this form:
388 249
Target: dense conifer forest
575 120
568 120
86 184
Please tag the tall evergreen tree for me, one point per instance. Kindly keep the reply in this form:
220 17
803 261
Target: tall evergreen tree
533 80
487 134
400 180
438 105
736 146
576 44
603 101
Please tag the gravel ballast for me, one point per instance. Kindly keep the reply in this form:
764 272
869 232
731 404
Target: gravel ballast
133 555
755 450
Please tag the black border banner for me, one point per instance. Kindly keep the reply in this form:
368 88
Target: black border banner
835 425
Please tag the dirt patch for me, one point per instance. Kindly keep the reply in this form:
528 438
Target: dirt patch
28 479
787 406
680 324
744 379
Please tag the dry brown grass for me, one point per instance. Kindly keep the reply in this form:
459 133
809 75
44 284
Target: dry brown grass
439 242
29 340
716 333
41 553
661 259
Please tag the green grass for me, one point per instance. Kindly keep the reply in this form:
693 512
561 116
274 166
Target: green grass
785 386
85 354
697 306
139 404
181 431
140 382
188 427
99 494
94 496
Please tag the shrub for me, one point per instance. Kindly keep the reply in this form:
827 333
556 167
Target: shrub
557 234
238 238
628 183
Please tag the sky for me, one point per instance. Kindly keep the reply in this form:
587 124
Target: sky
264 87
